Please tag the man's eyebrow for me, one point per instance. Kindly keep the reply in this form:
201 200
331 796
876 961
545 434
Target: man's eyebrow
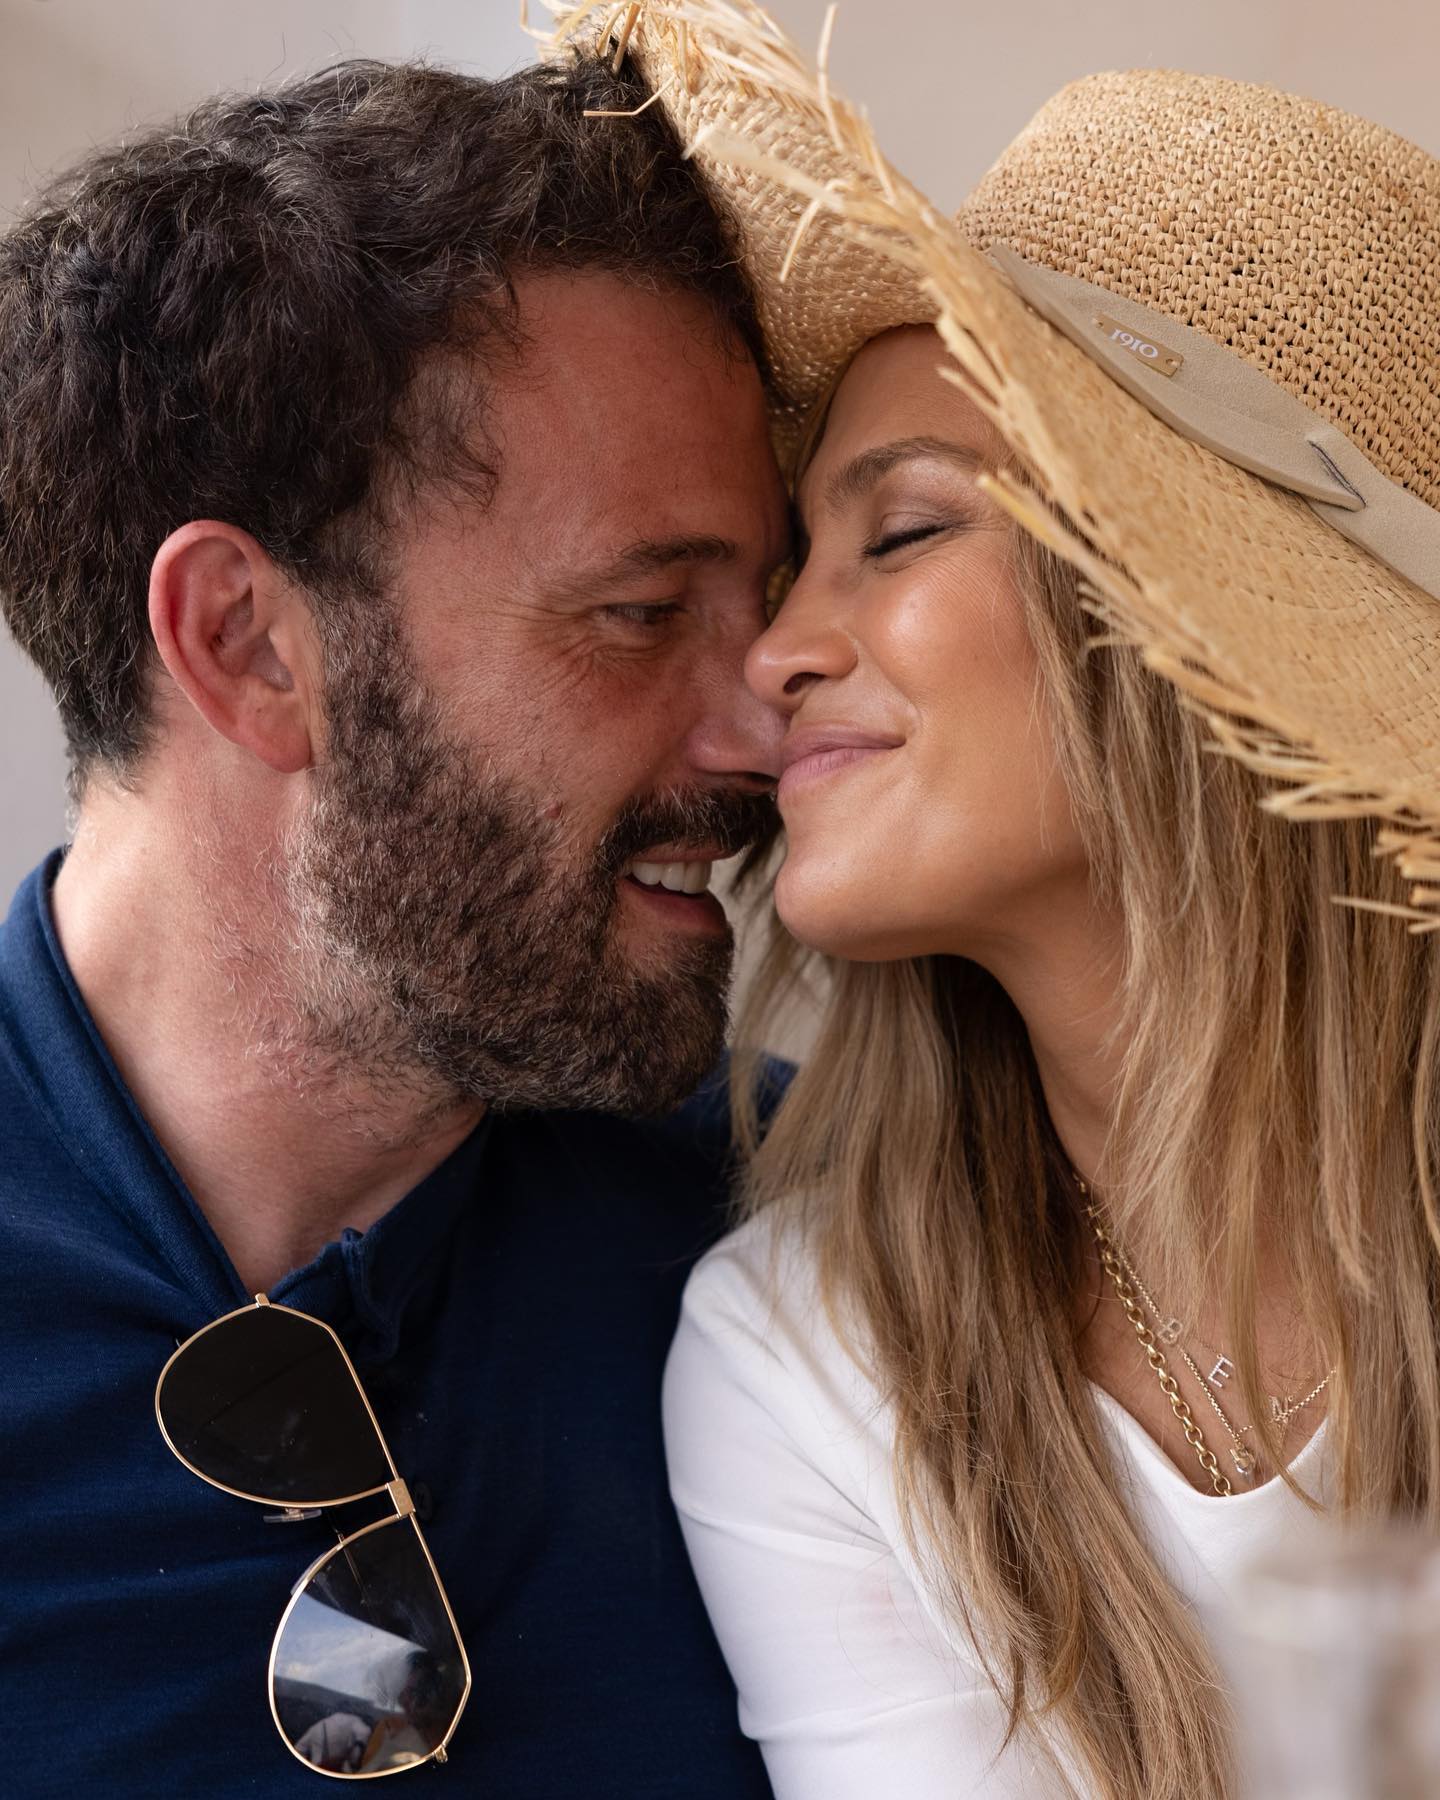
861 473
660 553
648 556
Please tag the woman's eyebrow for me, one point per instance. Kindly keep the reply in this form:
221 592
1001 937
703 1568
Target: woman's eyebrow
861 473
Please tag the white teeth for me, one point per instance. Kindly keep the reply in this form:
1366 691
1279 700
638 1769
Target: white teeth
678 877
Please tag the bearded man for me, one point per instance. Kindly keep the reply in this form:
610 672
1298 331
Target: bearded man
385 494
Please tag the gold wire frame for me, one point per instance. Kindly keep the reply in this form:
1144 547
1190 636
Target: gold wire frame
399 1496
259 1301
438 1754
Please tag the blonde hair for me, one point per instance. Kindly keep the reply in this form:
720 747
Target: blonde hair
1279 1066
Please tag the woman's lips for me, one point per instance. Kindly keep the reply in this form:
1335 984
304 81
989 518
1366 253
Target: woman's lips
809 756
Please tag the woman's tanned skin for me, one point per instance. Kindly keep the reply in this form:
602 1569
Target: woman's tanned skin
943 826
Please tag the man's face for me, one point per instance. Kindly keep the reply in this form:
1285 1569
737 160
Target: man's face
556 695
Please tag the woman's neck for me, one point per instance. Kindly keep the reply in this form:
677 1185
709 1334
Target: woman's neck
1065 981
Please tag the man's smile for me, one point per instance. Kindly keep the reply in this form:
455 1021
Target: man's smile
676 887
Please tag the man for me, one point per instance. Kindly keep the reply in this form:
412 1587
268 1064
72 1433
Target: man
385 493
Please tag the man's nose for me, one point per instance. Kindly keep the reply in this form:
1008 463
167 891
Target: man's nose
805 642
738 736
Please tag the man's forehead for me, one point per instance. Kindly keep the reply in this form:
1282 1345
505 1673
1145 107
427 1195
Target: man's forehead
593 331
627 414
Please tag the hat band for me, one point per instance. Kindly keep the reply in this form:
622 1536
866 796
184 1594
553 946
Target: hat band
1215 398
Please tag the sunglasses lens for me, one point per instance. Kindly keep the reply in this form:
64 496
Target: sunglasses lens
264 1404
367 1674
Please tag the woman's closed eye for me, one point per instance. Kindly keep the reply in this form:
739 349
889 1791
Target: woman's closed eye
901 537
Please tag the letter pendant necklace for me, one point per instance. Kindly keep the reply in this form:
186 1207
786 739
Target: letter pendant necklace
1154 1355
1168 1331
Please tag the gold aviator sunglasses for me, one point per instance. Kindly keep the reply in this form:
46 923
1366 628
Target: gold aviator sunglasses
367 1673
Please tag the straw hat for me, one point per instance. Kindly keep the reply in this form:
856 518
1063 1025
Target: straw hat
1206 318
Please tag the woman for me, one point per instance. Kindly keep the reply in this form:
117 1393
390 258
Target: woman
1088 1257
1063 940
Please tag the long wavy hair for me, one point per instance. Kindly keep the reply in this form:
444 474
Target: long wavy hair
1279 1056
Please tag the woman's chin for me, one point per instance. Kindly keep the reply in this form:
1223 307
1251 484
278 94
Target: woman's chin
837 919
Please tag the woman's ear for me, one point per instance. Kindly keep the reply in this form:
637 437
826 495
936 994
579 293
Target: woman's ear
237 637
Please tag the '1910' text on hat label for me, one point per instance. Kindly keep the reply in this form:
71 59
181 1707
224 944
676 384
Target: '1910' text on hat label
1153 355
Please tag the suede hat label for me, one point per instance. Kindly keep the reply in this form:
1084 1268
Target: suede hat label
1154 356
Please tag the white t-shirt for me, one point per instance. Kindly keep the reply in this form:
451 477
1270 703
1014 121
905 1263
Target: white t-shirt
853 1678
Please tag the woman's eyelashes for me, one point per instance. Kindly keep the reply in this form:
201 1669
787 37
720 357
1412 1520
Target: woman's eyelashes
901 537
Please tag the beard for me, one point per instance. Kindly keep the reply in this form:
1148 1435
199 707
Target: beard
454 945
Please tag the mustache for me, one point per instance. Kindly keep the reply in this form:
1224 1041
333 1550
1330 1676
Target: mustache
696 818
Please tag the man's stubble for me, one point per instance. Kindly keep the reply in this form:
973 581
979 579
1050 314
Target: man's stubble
451 945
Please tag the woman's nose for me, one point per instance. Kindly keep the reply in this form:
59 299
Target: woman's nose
803 644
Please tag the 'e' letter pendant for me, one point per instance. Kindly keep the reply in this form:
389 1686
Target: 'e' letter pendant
1221 1373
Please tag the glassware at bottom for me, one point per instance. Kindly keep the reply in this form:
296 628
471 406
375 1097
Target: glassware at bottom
1334 1658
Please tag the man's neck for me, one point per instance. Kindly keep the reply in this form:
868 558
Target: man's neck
281 1147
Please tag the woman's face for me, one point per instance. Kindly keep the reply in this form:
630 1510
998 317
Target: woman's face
923 807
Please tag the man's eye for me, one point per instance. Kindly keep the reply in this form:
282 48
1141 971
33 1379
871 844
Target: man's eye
899 540
649 616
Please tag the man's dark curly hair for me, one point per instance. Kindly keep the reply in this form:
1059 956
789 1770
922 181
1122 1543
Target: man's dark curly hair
265 314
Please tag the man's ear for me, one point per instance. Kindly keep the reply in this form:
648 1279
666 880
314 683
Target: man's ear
236 635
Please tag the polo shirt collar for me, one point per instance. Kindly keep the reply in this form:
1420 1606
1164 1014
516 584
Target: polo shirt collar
368 1283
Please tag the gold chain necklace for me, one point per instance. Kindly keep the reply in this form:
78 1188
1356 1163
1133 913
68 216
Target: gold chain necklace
1241 1454
1282 1410
1127 1283
1154 1355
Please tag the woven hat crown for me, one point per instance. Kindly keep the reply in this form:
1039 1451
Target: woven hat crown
1303 239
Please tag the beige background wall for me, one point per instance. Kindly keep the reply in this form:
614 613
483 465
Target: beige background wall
948 84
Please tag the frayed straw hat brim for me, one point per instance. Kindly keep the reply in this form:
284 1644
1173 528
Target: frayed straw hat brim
1314 663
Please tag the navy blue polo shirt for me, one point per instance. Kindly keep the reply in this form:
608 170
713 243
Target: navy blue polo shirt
509 1319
